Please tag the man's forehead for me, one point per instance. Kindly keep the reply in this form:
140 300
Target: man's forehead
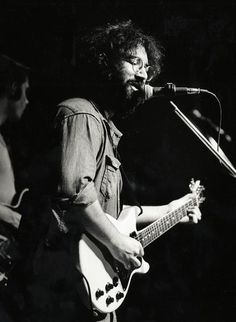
139 51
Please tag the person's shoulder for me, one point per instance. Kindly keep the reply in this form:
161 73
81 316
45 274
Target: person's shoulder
75 106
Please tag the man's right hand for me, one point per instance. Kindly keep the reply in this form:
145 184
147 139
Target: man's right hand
126 250
122 247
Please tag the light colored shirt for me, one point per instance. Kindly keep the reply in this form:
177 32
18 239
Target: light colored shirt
89 169
7 181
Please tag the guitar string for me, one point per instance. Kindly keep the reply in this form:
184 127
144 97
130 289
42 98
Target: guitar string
161 225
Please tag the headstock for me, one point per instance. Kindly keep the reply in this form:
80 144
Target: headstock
197 190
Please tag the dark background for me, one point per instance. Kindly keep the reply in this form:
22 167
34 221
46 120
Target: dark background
192 275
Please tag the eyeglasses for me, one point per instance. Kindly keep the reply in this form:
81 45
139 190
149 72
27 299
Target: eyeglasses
138 64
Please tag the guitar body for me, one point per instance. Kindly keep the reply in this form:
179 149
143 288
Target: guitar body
9 252
106 281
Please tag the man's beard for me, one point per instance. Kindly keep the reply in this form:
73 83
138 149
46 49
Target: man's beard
128 99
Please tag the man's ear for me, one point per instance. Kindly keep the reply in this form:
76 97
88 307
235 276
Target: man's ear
14 91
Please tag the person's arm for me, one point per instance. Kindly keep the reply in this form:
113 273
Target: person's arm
81 142
123 248
9 216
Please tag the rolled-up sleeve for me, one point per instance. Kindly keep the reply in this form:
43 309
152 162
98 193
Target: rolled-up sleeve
81 140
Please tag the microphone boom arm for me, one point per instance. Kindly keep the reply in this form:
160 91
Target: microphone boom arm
195 130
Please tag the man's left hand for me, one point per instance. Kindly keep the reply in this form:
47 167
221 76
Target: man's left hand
193 213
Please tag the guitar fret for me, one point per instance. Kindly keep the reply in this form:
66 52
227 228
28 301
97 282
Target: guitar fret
160 226
108 292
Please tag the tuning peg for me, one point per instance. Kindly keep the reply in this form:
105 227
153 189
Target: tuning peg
202 199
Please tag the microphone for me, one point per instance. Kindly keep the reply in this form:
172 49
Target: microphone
170 90
198 115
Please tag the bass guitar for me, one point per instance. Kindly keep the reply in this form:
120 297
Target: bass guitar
105 281
9 252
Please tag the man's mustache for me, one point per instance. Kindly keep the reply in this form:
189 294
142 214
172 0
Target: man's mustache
140 86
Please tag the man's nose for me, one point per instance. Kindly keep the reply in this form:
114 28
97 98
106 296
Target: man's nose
142 73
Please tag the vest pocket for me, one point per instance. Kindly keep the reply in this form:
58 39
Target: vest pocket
110 177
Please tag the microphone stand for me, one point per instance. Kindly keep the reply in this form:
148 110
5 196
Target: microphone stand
228 165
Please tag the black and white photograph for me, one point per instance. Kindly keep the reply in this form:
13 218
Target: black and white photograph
117 161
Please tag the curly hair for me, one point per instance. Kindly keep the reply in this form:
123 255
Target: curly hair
107 44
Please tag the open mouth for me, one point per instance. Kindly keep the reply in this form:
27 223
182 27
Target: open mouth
134 88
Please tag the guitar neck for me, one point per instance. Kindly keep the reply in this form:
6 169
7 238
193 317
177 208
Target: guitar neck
150 233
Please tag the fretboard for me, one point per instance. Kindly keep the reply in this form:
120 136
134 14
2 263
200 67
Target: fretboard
150 233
